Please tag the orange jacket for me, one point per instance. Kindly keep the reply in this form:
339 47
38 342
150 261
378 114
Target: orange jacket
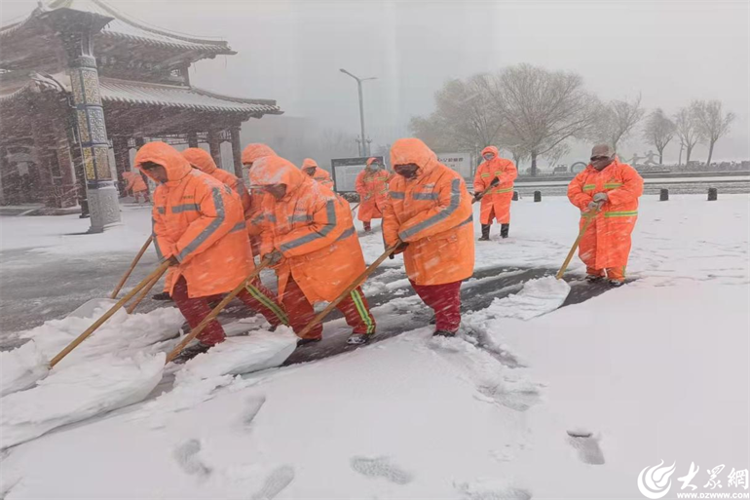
433 214
497 201
320 175
202 160
502 168
135 182
312 227
606 243
198 220
372 187
251 154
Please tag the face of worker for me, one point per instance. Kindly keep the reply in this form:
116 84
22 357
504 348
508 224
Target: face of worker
408 171
277 190
156 171
599 162
310 171
375 166
488 156
248 165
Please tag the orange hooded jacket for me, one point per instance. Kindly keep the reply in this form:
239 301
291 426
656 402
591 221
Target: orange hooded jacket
312 228
432 213
606 243
372 187
134 182
202 160
320 175
497 201
198 220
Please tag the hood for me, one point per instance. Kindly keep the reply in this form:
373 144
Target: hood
254 152
491 149
201 159
271 170
165 155
414 151
309 163
371 160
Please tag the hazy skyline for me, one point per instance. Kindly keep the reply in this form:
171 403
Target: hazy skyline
670 51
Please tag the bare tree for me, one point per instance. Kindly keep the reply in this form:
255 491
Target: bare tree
687 132
540 109
617 119
659 130
711 123
463 118
553 155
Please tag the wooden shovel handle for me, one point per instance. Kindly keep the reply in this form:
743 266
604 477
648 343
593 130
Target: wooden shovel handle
157 272
590 215
357 282
144 292
132 266
215 312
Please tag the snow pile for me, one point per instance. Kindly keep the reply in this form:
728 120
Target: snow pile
537 297
74 393
21 368
257 351
123 333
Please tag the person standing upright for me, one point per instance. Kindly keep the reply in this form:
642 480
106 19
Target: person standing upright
612 190
495 204
372 187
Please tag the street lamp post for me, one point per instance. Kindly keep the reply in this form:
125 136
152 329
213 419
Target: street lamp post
364 145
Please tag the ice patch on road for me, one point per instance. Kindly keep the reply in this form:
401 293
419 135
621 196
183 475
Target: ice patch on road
77 392
21 368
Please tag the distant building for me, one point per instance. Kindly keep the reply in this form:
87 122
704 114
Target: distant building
78 78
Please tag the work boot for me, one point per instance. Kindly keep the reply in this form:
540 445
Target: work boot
368 228
444 333
190 352
358 338
504 228
616 283
485 233
304 342
161 296
593 278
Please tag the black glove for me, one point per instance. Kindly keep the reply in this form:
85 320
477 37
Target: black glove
495 182
477 196
173 261
399 249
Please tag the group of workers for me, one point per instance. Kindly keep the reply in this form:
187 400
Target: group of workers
210 227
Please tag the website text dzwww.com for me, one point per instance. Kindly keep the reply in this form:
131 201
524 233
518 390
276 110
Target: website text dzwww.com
713 495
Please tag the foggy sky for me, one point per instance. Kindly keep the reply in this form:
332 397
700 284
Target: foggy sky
291 51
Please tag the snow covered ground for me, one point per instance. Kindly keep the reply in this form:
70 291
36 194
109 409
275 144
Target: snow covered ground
656 370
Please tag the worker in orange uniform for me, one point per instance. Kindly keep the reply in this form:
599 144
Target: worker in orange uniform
199 226
311 168
308 233
496 202
252 153
429 216
611 189
137 185
372 187
202 160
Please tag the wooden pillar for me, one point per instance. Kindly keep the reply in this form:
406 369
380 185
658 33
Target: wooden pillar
214 146
122 161
236 150
192 138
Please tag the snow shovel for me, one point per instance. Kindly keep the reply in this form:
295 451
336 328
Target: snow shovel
144 292
589 216
494 183
132 266
357 282
112 310
355 207
215 312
